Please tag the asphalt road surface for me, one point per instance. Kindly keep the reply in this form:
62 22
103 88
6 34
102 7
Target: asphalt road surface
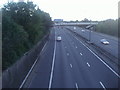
95 38
70 64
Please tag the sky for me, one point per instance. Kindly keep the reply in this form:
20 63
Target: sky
78 9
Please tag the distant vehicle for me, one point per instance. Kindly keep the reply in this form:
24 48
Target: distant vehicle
83 30
59 38
104 41
74 27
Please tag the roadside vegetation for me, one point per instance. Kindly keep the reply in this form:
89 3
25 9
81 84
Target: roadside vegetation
23 25
109 27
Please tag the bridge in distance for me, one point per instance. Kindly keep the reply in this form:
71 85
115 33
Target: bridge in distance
82 24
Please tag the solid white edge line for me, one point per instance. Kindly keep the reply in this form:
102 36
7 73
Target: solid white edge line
40 54
30 69
44 46
76 86
51 75
102 85
99 59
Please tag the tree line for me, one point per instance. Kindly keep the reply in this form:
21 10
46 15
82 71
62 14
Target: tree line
23 25
108 26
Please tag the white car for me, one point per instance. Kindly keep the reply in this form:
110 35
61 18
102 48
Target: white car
74 27
104 41
83 30
59 38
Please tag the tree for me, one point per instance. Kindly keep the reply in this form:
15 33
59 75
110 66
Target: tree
23 26
109 26
14 37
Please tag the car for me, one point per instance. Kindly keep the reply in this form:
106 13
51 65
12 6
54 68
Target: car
104 41
74 27
59 38
83 30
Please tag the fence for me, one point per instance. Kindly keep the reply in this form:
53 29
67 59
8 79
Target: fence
14 75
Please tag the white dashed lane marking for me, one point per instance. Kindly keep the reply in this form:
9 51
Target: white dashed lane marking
81 54
88 64
76 86
98 58
67 54
71 65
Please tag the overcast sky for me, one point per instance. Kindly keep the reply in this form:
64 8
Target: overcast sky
78 9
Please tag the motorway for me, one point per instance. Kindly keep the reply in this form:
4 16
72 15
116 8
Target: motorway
70 64
95 38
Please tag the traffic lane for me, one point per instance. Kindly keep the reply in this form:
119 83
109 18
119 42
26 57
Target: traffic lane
80 70
98 68
78 30
111 38
62 74
114 39
68 64
43 67
95 38
96 34
72 57
112 47
88 79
